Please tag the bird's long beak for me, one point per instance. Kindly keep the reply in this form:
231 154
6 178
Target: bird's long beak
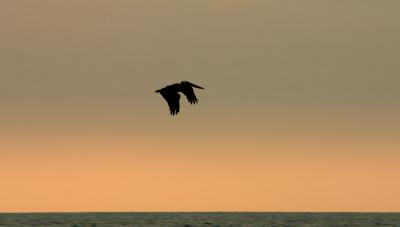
157 91
196 86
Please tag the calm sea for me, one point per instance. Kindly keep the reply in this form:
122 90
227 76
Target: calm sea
189 219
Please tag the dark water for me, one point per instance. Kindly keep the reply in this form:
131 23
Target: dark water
212 219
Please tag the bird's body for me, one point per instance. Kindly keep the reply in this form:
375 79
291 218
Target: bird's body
171 95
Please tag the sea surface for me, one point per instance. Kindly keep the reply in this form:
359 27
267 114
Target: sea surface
193 219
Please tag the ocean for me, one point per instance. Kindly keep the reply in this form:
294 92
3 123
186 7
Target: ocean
193 219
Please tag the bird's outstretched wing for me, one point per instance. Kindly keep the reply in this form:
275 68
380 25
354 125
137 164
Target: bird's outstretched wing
187 90
172 100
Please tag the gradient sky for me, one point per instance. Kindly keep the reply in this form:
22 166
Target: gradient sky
300 111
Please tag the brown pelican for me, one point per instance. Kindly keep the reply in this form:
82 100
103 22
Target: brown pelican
170 94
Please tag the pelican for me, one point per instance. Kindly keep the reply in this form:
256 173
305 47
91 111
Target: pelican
170 94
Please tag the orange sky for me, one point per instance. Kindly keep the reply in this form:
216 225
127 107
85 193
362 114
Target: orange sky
299 112
116 173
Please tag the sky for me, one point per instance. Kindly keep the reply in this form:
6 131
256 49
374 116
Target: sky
300 110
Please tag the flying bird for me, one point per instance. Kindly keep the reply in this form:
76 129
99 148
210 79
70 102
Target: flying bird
171 95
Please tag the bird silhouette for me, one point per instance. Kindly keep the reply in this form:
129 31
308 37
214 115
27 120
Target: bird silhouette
171 95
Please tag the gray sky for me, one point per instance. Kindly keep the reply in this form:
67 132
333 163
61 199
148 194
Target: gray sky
252 57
